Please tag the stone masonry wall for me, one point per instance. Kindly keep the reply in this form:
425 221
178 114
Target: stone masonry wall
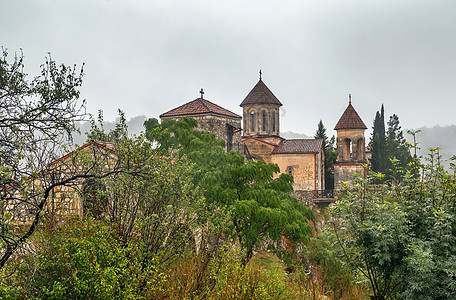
345 172
303 168
259 150
217 125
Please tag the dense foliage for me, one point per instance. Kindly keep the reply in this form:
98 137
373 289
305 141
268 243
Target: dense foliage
401 234
246 201
37 117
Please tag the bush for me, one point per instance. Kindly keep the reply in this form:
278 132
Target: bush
81 260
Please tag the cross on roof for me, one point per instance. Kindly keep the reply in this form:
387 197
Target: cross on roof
202 93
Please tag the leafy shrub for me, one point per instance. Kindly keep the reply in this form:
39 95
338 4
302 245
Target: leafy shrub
82 260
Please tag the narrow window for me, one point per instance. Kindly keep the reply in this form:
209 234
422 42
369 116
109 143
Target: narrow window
273 121
289 170
252 121
264 121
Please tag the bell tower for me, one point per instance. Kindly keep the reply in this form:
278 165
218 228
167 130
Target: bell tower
261 112
351 154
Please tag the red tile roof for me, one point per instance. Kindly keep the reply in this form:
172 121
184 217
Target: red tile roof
199 106
298 146
260 94
350 120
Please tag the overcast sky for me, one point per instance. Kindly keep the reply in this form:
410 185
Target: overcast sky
147 57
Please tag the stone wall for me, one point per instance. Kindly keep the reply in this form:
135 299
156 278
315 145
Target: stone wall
271 125
345 172
259 150
305 197
220 127
305 168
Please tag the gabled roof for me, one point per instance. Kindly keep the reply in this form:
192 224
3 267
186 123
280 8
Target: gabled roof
103 145
199 106
260 94
299 146
260 140
350 120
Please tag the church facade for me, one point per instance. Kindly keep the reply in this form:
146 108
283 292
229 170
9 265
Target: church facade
259 137
302 158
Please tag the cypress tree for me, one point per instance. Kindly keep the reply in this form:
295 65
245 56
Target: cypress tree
377 143
385 147
396 146
330 154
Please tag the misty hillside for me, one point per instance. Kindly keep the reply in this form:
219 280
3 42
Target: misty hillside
437 136
135 126
294 135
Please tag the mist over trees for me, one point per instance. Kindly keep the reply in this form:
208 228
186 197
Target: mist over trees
134 124
443 137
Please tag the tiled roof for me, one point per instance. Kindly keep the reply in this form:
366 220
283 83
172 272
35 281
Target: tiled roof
199 106
260 94
350 120
299 146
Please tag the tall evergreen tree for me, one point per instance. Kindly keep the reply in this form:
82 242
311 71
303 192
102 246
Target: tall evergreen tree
378 143
387 146
375 145
396 146
330 155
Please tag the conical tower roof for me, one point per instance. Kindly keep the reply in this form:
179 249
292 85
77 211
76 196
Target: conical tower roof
260 94
350 119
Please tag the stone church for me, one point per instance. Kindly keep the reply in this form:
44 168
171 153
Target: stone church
259 137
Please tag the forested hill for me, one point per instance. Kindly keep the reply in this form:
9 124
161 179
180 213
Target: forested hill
443 137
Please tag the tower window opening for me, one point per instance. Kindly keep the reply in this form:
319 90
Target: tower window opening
252 121
273 122
264 121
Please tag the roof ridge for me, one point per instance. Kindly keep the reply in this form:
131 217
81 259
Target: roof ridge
205 105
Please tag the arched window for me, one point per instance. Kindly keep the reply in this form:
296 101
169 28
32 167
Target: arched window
252 121
360 149
264 121
289 170
273 122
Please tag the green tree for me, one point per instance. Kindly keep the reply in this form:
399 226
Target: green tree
389 146
330 155
378 143
400 234
36 119
396 147
246 200
153 197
